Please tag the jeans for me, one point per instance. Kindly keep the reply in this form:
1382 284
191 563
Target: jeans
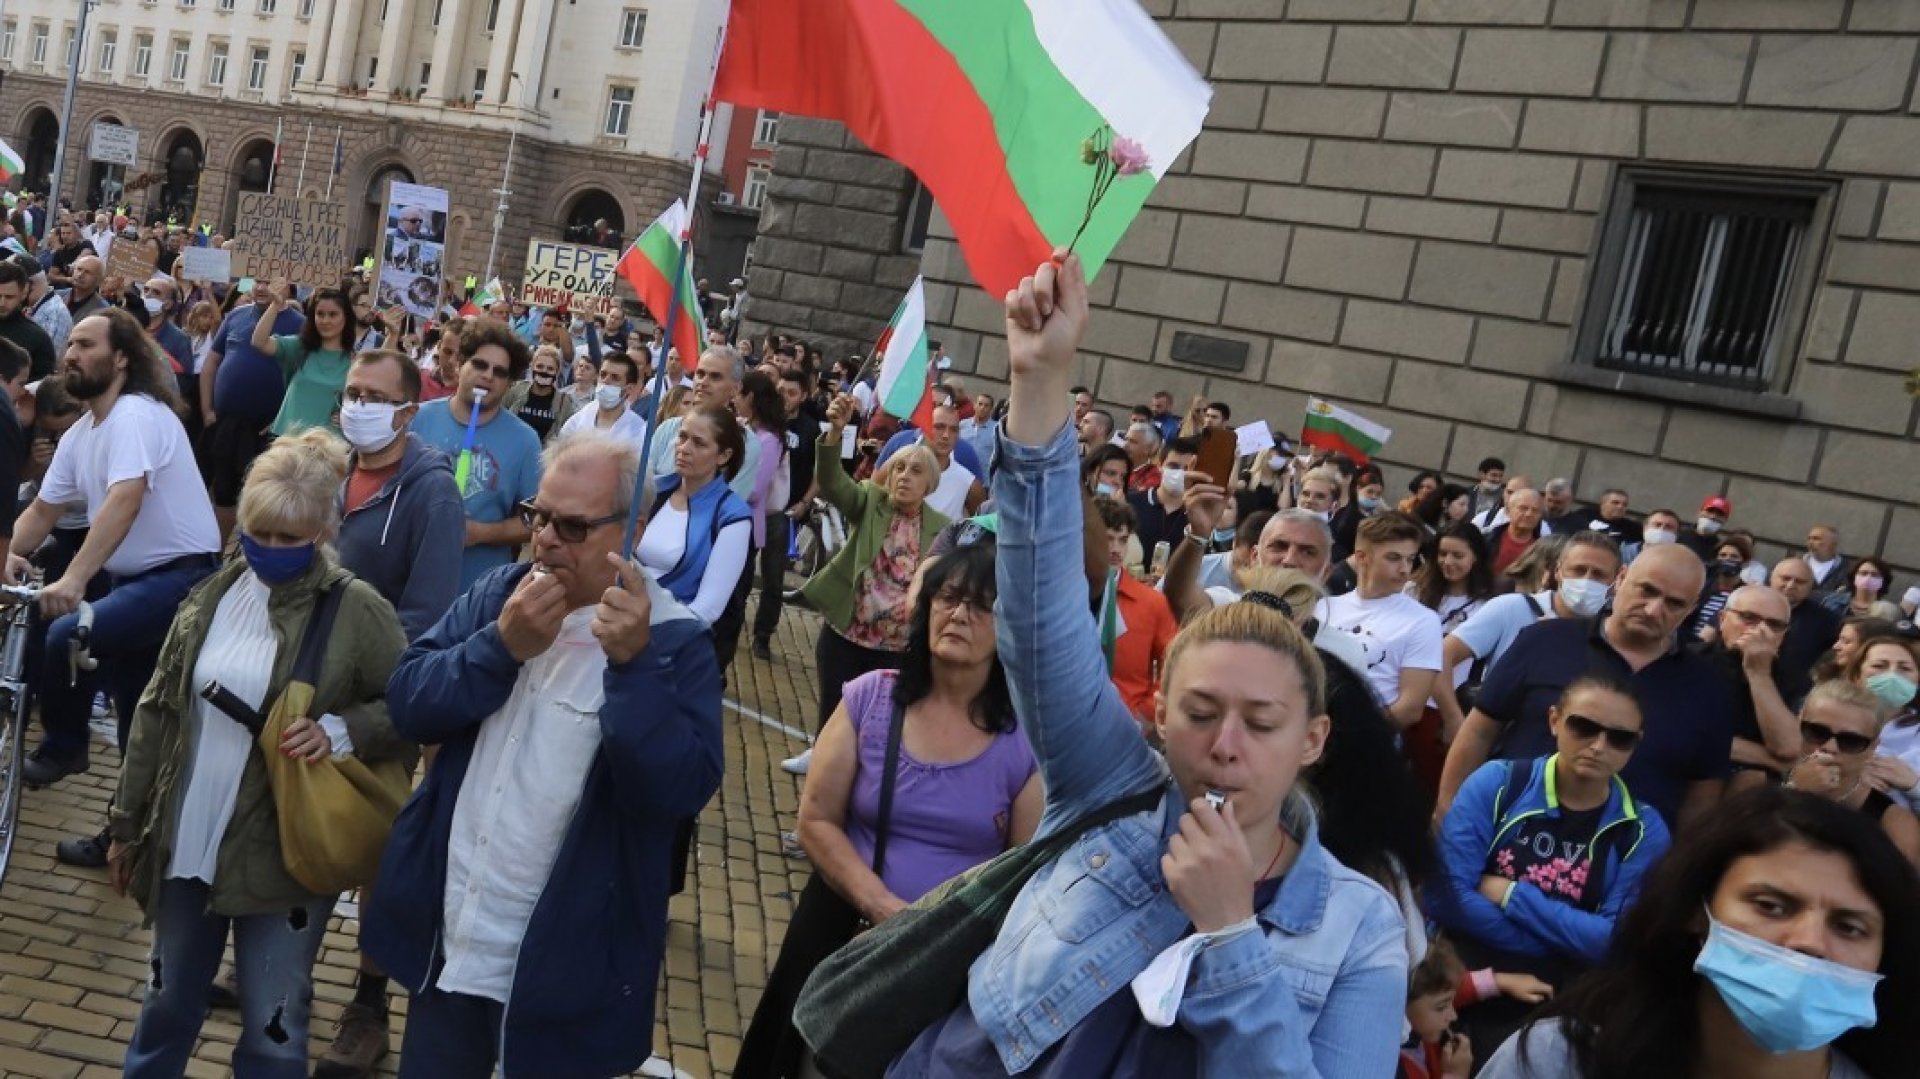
273 955
129 623
733 618
450 1036
773 576
53 559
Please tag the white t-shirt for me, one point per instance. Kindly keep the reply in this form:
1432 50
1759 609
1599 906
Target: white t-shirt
950 498
664 542
1394 632
1492 628
141 439
627 426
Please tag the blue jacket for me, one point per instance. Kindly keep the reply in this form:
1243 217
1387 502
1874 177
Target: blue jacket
1491 803
582 996
406 541
1320 991
711 509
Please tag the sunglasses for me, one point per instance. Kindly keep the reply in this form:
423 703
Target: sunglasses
1847 742
569 529
1750 620
1586 730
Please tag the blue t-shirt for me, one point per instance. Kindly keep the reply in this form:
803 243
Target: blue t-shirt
504 473
249 383
1687 710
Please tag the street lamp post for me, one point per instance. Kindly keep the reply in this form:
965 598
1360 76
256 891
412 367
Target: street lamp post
66 105
506 176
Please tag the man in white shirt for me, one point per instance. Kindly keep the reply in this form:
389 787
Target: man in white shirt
1496 515
1400 637
961 489
613 397
153 533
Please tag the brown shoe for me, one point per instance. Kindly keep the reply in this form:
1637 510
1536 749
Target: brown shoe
359 1042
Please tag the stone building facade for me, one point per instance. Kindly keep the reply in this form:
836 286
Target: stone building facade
1667 245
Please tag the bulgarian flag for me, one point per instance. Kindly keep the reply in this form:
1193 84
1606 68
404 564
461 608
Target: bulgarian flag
1337 430
491 293
905 389
1035 124
11 163
649 267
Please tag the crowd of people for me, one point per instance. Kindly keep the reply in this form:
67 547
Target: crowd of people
1487 780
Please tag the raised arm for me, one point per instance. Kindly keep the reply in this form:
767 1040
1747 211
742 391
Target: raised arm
263 329
829 474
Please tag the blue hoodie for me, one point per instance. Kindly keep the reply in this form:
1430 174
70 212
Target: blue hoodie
582 995
407 540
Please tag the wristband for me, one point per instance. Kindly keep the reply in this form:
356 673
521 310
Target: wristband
1197 541
1508 896
1486 984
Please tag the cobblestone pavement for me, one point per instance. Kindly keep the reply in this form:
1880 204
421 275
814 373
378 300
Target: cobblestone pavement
73 955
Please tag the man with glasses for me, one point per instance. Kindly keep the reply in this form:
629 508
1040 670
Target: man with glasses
1766 692
500 466
1683 761
576 706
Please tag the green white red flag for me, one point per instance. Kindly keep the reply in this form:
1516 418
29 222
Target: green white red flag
1035 124
1338 430
11 163
905 387
649 266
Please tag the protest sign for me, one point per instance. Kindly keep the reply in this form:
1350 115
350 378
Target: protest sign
204 264
1251 438
576 275
130 260
302 240
413 252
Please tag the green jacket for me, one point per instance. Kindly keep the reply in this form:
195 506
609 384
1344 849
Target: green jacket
564 405
868 511
251 877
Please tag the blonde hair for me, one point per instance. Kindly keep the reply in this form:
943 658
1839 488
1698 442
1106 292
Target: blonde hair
1326 474
1844 694
905 455
548 350
205 313
295 485
1251 623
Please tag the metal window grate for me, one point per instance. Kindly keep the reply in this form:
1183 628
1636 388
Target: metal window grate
1703 282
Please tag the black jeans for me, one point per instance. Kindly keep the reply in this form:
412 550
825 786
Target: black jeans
839 661
733 618
773 576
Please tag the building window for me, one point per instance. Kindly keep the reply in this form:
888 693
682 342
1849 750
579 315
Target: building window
479 82
754 194
177 72
143 55
186 3
913 232
619 111
40 33
266 7
257 69
373 69
437 4
383 12
766 128
493 14
226 5
6 39
297 68
66 48
1701 280
109 50
217 64
633 27
306 9
426 74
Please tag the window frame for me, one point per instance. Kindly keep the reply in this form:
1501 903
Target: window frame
9 36
40 43
766 128
628 17
626 111
296 66
259 60
479 83
217 55
109 50
143 55
758 179
179 59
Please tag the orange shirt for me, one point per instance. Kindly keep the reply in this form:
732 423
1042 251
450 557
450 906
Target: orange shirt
1139 651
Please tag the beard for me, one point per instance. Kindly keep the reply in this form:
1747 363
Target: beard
84 386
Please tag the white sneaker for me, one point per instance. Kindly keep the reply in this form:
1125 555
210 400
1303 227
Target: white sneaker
798 765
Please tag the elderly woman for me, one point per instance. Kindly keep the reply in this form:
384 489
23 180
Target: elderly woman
1840 726
861 593
196 838
964 789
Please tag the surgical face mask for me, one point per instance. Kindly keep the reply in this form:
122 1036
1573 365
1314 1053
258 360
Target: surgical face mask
1276 462
1727 567
1584 598
1105 490
1369 504
1892 687
1753 573
368 425
1223 535
154 305
609 396
1870 582
276 565
1706 525
1656 536
1787 1002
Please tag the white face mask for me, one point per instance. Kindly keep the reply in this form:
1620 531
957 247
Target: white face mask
1657 536
609 397
368 425
154 305
1276 463
1583 598
1707 526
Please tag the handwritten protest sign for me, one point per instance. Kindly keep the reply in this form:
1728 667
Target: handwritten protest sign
579 276
302 240
205 264
130 260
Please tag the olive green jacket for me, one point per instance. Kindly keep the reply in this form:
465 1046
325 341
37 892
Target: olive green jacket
250 876
868 511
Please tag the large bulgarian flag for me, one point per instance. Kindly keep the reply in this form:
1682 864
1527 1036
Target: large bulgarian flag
11 163
1002 108
1338 430
905 386
649 267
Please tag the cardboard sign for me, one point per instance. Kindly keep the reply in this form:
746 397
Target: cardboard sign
575 275
204 264
130 260
302 240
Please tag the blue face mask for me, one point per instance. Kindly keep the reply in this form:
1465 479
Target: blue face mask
1895 689
1223 535
1787 1002
276 565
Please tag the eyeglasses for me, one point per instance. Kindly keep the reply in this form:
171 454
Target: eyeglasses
1749 619
1847 742
569 529
497 371
952 599
1586 730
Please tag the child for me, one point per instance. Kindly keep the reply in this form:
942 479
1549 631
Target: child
1434 1049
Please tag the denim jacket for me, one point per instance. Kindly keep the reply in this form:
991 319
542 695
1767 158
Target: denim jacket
1320 992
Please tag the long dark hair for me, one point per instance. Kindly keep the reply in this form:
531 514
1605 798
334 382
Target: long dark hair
1635 1015
1431 585
1372 817
147 374
763 399
969 571
1431 509
310 330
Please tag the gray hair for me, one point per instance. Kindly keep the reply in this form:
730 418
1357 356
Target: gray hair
1147 431
735 362
624 454
1558 487
1307 517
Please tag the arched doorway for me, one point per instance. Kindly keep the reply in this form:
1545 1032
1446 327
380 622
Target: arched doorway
251 167
43 142
106 182
180 166
588 207
374 205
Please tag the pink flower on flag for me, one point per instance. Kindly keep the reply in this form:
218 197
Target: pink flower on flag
1129 157
1112 157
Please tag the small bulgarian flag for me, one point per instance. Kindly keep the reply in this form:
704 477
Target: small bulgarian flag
11 163
490 294
904 389
1338 430
649 267
1035 124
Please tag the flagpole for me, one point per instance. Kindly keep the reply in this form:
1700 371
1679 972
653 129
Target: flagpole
301 183
273 164
651 424
338 134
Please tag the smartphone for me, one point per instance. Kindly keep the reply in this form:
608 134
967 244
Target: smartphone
1219 449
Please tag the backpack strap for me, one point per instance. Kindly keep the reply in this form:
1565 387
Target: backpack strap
883 819
313 645
1534 606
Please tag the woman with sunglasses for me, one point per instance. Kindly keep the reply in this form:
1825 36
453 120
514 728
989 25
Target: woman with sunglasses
1540 857
1839 730
698 534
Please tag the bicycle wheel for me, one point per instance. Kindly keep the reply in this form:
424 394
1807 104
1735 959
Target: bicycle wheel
12 757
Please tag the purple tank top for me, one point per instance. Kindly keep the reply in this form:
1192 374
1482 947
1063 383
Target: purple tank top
947 818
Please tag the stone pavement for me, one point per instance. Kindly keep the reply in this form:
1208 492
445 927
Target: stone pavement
73 955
